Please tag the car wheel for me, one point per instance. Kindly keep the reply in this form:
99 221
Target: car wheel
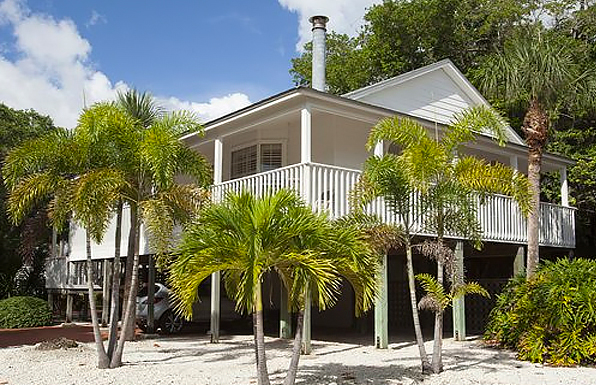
171 323
142 326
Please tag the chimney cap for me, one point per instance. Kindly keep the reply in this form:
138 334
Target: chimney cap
318 21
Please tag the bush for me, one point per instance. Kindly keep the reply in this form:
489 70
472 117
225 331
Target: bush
551 317
24 312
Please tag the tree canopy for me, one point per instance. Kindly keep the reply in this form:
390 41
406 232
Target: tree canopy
399 36
24 241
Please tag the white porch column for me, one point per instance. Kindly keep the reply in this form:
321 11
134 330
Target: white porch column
217 163
513 162
305 134
379 149
564 187
459 304
306 157
216 277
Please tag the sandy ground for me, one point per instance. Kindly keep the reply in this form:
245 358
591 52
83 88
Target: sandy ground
193 360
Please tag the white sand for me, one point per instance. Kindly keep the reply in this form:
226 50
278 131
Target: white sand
193 360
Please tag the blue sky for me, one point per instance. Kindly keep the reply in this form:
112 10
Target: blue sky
208 56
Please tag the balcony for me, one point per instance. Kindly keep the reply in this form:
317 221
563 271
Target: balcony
328 187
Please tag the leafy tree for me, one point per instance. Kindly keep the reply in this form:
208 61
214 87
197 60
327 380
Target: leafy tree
543 75
433 183
28 242
248 237
400 36
347 66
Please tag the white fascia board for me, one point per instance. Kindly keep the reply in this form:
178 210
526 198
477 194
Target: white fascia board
234 116
520 150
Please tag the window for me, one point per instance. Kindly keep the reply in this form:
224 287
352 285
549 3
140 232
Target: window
244 162
270 156
256 158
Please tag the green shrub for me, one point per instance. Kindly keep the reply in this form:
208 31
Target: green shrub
551 317
24 312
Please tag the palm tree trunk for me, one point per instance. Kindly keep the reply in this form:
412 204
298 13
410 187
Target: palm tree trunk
102 358
293 369
129 310
437 360
414 303
128 286
535 127
534 162
259 335
113 334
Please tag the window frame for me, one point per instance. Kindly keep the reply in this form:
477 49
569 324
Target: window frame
258 144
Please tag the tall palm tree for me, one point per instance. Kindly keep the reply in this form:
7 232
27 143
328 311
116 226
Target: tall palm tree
43 171
248 237
436 176
144 110
542 75
47 170
156 198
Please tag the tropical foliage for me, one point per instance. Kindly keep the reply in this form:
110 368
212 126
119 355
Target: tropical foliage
433 182
23 247
551 316
24 312
86 175
247 238
543 76
400 35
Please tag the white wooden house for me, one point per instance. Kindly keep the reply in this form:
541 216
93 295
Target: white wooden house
313 142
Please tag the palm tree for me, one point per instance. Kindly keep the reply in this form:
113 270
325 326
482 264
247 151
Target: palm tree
247 237
144 111
43 171
444 183
541 75
148 160
155 197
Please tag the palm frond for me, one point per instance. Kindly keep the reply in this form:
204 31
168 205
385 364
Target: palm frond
477 119
463 289
141 106
435 298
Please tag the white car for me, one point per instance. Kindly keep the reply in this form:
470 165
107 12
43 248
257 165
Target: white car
166 320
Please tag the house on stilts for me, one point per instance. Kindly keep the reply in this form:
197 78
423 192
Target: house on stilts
314 143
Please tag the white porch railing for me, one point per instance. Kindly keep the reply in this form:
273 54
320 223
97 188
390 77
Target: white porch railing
327 187
64 274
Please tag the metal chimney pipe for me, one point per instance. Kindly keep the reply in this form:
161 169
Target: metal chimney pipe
319 29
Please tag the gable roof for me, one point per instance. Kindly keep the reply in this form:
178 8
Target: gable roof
436 92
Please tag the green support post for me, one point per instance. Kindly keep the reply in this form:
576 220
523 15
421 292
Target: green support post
306 345
215 306
381 311
519 265
285 316
459 304
69 303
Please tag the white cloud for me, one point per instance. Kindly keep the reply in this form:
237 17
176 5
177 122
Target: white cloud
215 108
96 18
345 16
52 73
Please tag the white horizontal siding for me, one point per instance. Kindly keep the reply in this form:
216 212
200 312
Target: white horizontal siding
434 96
